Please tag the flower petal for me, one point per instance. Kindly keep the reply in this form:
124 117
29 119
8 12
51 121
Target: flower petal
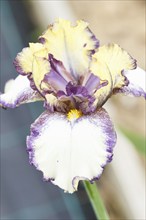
23 61
72 45
18 92
67 152
41 66
108 64
137 83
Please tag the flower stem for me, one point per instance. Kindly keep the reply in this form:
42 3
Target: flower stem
96 201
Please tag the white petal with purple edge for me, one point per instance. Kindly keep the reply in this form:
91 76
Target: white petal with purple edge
69 152
18 92
137 83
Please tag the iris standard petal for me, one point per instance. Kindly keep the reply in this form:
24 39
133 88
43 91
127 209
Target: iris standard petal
67 151
24 59
137 83
73 45
40 67
18 92
108 63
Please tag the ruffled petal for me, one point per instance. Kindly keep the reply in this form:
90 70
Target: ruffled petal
137 83
69 151
108 63
24 59
73 45
18 92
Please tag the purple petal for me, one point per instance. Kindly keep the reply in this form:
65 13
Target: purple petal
58 67
55 81
93 83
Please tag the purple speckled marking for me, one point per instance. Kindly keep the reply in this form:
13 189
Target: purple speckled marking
24 97
101 118
131 90
93 37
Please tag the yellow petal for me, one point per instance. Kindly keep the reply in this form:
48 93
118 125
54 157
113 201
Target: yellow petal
108 63
70 44
24 59
116 59
41 66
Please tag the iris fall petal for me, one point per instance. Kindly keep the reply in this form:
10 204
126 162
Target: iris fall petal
137 83
18 92
67 151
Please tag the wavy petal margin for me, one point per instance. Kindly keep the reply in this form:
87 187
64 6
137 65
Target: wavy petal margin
18 92
73 45
108 63
24 60
137 83
67 152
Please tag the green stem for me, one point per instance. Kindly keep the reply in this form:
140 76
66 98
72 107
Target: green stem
96 201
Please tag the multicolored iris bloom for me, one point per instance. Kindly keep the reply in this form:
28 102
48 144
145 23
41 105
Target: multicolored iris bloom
74 137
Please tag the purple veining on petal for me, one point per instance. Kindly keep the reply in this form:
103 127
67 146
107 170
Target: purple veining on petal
108 130
24 97
131 90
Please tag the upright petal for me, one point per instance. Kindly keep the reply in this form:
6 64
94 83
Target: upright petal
137 83
24 59
72 45
40 67
108 63
68 150
18 92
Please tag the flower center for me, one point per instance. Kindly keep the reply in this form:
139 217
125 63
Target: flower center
73 114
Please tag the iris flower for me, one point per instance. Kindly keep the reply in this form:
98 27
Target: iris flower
73 139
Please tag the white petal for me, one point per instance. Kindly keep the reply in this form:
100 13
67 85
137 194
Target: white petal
137 77
18 92
137 83
68 152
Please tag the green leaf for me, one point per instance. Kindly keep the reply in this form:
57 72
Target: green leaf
96 201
